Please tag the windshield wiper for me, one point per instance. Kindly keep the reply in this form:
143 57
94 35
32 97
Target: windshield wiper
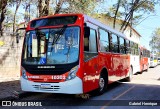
59 34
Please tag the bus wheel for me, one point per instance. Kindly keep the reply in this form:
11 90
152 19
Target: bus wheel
129 78
147 68
142 70
103 81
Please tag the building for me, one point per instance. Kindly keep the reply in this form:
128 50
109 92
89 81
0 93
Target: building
130 32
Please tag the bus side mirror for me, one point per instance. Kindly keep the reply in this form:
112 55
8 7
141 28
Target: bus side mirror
18 35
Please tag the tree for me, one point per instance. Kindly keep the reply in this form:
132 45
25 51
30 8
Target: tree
116 12
155 40
130 11
43 10
27 7
82 6
58 6
17 3
3 5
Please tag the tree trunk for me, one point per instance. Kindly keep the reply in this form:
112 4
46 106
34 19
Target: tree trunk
40 7
129 15
58 7
3 11
27 11
14 18
45 10
115 17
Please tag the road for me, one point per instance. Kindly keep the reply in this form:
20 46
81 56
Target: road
143 90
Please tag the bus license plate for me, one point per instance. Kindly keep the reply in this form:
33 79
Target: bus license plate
45 86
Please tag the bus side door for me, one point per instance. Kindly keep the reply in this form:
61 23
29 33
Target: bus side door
90 61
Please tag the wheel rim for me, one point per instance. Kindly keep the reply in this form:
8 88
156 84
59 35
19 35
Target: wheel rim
101 83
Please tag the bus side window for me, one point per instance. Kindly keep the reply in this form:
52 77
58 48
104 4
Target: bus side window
122 45
104 40
132 48
93 41
114 45
90 45
127 46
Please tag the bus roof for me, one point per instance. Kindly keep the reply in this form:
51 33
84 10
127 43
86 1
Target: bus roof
87 19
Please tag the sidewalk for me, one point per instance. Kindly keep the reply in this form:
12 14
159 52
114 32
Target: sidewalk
10 69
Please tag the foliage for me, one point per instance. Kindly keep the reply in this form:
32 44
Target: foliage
131 11
155 40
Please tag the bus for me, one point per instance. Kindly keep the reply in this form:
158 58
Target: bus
144 59
153 60
134 56
74 54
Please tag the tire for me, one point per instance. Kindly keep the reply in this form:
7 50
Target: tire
103 82
147 68
142 70
129 78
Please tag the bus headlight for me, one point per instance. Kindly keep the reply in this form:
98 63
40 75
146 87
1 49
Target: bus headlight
23 73
72 73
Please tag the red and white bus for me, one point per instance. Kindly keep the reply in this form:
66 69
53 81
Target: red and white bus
74 54
144 59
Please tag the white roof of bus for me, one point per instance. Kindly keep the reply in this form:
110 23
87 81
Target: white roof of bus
96 22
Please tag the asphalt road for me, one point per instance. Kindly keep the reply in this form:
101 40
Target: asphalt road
142 93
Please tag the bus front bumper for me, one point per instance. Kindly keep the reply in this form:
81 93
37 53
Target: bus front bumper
68 87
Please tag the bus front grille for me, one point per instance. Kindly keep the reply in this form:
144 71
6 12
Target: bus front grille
47 88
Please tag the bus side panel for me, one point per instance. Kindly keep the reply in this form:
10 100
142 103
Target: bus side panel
117 66
90 75
125 61
105 61
135 63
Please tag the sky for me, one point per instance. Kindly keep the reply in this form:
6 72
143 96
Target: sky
145 28
148 26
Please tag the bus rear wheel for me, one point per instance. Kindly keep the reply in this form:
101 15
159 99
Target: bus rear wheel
147 68
129 78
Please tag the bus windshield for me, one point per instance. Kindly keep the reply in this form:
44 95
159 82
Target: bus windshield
51 46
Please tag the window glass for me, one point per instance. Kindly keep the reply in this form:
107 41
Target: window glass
92 41
104 41
128 46
122 45
114 43
136 49
48 47
132 48
90 45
